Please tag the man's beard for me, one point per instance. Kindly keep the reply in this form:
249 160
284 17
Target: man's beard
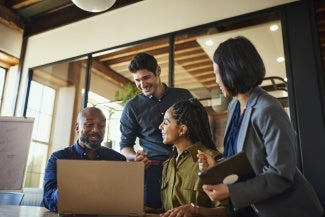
91 145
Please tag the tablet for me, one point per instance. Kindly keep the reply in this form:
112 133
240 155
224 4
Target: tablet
228 171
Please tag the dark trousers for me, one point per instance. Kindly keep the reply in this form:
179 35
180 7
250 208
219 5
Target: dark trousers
152 187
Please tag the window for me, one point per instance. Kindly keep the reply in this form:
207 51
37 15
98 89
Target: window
55 94
2 84
194 56
40 106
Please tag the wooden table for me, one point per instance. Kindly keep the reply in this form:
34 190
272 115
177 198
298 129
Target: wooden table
36 211
25 211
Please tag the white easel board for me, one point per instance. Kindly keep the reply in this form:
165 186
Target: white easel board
15 138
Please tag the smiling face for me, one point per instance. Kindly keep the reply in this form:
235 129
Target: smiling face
91 128
223 89
147 81
170 131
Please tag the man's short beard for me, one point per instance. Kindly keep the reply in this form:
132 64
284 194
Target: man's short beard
92 146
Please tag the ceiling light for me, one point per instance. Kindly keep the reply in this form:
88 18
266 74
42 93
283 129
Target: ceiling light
280 59
274 27
94 5
209 42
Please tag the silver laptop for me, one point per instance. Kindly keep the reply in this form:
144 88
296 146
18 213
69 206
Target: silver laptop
109 188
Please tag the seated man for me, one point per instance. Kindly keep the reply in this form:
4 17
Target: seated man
90 127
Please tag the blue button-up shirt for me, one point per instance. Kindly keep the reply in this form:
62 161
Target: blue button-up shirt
141 118
50 197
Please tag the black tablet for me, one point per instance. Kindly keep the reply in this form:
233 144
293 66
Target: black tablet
233 169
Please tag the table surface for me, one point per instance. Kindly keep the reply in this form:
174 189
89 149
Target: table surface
36 211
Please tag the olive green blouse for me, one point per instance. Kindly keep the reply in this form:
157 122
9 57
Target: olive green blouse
180 182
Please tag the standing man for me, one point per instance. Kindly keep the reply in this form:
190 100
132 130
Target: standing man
90 127
141 118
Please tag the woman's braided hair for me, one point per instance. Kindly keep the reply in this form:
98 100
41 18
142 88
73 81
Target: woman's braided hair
193 114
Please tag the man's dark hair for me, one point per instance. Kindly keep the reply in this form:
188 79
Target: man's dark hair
241 67
143 61
193 114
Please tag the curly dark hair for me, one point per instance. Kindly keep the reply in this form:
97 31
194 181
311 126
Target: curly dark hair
143 61
241 67
193 114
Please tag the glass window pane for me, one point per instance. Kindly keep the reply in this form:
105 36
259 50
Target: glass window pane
47 103
2 83
34 114
44 128
36 165
35 96
40 94
53 97
194 57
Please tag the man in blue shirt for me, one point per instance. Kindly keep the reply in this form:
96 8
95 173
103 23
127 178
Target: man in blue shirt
90 127
141 118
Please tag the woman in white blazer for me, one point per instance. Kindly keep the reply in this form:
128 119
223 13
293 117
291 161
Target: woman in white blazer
258 125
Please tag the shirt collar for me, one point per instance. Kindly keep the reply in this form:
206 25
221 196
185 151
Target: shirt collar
192 150
79 149
82 153
165 92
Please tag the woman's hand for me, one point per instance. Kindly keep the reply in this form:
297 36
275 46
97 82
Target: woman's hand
217 192
181 211
205 161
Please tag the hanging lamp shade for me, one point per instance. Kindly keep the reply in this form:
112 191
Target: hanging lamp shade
94 5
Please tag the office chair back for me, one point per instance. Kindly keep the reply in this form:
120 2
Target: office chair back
11 198
32 197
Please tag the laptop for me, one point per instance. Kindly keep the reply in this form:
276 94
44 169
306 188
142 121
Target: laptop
107 188
228 171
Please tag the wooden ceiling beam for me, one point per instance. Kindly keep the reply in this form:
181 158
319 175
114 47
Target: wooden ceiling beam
7 61
211 85
203 74
10 19
189 53
127 58
197 67
109 73
127 53
193 60
18 4
49 79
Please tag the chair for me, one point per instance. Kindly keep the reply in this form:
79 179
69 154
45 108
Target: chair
32 197
11 198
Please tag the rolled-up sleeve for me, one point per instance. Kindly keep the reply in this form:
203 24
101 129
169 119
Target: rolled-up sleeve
128 127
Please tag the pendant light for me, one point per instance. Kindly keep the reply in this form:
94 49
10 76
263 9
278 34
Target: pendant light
94 6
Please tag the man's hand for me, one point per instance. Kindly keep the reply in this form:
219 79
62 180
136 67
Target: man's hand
142 156
129 153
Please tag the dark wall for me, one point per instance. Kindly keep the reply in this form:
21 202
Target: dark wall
306 89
